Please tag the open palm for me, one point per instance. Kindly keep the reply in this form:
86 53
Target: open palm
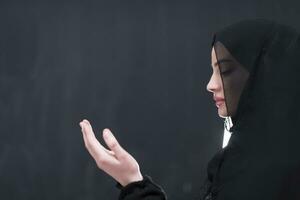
115 161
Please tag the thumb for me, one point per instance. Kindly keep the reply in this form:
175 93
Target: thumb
112 143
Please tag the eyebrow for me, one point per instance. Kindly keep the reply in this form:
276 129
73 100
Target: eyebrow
222 61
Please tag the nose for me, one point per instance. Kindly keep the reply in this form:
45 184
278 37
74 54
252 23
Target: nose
213 84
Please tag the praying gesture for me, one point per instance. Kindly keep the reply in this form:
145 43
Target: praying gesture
115 161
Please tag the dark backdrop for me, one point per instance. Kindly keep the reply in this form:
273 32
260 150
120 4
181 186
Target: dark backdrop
137 67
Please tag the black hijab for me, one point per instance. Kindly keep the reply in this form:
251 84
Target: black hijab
262 158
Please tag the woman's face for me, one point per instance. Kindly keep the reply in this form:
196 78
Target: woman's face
215 86
229 76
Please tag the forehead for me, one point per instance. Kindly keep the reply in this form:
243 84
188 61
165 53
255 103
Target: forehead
212 51
220 52
213 57
213 54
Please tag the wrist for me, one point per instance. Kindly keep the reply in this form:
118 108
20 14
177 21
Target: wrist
136 178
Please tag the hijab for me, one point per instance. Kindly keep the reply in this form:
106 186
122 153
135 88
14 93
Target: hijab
262 158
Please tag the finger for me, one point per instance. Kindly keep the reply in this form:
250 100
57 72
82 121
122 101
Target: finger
88 143
92 133
94 138
109 152
91 143
112 143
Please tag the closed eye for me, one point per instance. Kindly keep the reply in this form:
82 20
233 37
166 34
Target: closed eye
226 72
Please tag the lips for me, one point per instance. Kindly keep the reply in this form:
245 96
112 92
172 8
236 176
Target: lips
219 101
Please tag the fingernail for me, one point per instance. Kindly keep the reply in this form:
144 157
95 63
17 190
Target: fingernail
106 132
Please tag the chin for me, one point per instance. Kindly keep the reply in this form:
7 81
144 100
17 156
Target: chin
222 112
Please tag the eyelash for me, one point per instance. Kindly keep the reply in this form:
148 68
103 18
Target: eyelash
226 72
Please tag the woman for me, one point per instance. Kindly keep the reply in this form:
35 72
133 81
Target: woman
256 84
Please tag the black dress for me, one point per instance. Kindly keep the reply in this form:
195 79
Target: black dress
142 190
262 158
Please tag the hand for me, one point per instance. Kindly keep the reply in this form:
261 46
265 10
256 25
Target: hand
116 162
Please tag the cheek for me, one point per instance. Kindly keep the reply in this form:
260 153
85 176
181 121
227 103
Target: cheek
231 92
234 86
218 81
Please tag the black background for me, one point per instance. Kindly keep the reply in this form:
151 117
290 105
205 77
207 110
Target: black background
138 67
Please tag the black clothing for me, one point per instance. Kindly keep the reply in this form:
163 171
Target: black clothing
142 190
262 158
